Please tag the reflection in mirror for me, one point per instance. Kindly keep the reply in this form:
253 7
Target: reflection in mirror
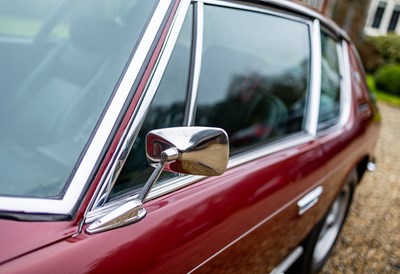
201 150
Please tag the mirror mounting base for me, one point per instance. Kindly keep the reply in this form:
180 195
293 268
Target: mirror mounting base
133 211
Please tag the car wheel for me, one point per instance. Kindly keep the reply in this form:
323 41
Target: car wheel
319 243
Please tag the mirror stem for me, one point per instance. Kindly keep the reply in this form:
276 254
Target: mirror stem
166 156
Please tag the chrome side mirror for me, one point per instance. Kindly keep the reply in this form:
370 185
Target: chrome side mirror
189 150
200 150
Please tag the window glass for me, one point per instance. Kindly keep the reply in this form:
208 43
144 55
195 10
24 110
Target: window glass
330 82
254 79
53 91
167 110
379 15
24 19
394 19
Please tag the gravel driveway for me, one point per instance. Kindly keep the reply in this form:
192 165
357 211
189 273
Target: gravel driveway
370 239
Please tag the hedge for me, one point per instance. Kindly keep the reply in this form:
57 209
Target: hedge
380 50
387 78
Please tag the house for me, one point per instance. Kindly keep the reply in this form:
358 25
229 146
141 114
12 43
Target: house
383 18
351 15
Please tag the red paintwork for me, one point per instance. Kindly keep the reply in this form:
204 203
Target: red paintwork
18 238
185 228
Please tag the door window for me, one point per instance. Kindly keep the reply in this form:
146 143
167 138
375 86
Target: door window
254 80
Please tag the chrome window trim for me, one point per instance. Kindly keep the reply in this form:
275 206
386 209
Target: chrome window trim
88 162
265 10
137 119
315 82
196 59
286 142
347 92
294 7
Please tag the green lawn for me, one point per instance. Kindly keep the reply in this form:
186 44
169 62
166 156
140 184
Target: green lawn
381 95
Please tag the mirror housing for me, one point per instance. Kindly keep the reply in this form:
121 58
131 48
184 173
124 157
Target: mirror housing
201 150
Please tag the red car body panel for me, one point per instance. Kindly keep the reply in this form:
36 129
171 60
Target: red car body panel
234 222
18 238
184 223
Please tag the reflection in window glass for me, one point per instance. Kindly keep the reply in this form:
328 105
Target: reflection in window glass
253 83
53 91
167 110
330 82
24 19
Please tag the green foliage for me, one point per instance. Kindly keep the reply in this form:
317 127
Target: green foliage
380 50
388 47
387 78
382 96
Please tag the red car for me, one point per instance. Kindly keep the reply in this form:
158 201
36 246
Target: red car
177 136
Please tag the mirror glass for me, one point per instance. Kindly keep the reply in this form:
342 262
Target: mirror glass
202 150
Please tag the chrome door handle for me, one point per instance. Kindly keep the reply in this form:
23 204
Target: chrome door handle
308 201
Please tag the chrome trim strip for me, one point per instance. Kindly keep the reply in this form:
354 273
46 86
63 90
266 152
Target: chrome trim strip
344 64
288 261
291 141
265 10
138 117
315 82
196 59
82 174
310 13
309 200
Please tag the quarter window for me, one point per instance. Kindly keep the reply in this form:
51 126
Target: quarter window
254 80
330 82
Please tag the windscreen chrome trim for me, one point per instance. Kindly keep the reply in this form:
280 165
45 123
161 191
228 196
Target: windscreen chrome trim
88 163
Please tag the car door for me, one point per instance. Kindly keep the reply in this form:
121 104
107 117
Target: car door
222 75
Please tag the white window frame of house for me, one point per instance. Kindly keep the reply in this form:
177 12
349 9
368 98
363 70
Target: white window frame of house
387 15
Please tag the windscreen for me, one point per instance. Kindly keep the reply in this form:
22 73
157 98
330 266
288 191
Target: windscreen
60 63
